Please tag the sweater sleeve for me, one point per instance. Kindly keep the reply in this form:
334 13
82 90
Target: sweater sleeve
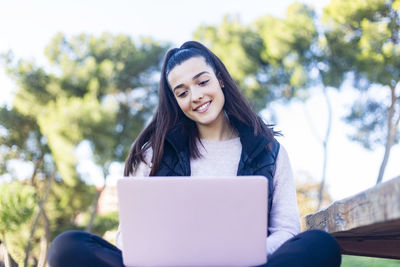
142 170
284 217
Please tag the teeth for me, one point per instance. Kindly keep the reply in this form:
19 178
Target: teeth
202 107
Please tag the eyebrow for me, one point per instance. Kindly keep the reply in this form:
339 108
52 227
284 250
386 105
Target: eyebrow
194 78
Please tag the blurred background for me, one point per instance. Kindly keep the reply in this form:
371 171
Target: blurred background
78 81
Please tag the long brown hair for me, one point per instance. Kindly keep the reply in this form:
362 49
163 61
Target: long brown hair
168 114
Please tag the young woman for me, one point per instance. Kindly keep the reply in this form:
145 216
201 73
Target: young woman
204 126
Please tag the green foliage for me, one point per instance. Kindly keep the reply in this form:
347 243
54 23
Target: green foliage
65 203
19 137
276 58
368 33
239 48
288 46
368 117
100 90
16 242
17 204
105 222
290 37
100 87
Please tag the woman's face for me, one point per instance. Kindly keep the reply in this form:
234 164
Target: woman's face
197 91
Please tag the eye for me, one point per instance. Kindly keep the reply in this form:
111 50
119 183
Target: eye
203 82
182 94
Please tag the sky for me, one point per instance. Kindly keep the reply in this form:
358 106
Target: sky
27 26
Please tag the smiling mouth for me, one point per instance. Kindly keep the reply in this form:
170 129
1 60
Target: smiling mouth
203 108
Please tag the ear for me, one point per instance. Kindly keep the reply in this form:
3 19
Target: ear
221 83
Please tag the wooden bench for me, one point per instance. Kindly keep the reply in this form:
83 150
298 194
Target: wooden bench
367 224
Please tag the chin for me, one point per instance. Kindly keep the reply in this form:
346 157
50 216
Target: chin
206 122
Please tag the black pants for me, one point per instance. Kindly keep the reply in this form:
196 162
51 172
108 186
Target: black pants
81 249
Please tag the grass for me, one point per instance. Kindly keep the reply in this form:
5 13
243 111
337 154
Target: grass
357 261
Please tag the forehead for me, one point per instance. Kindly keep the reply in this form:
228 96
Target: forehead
184 72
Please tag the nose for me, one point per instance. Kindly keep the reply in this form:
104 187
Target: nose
197 95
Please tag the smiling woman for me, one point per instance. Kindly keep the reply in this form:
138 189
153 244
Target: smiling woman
199 95
203 126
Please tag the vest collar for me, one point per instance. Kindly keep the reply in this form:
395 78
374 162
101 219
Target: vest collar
252 144
178 137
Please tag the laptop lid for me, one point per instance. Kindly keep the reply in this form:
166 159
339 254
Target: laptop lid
193 221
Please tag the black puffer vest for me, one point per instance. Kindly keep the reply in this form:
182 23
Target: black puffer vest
256 157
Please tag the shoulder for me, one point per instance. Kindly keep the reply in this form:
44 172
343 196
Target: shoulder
283 166
275 147
272 148
282 154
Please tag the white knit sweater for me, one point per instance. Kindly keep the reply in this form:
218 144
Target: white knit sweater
221 158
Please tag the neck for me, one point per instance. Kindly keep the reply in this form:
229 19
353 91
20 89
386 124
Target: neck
218 131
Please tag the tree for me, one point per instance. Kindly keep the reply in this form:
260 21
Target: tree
288 44
22 142
239 47
98 90
119 88
369 31
296 47
266 58
280 59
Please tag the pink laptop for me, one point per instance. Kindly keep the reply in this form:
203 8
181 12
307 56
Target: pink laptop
193 221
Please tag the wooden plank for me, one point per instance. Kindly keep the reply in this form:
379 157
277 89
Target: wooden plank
378 240
367 224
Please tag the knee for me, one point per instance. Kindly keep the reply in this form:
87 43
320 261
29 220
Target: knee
68 238
321 237
325 244
64 246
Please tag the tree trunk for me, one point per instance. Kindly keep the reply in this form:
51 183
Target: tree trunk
93 212
36 220
388 147
36 166
8 260
44 241
391 133
325 148
323 176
